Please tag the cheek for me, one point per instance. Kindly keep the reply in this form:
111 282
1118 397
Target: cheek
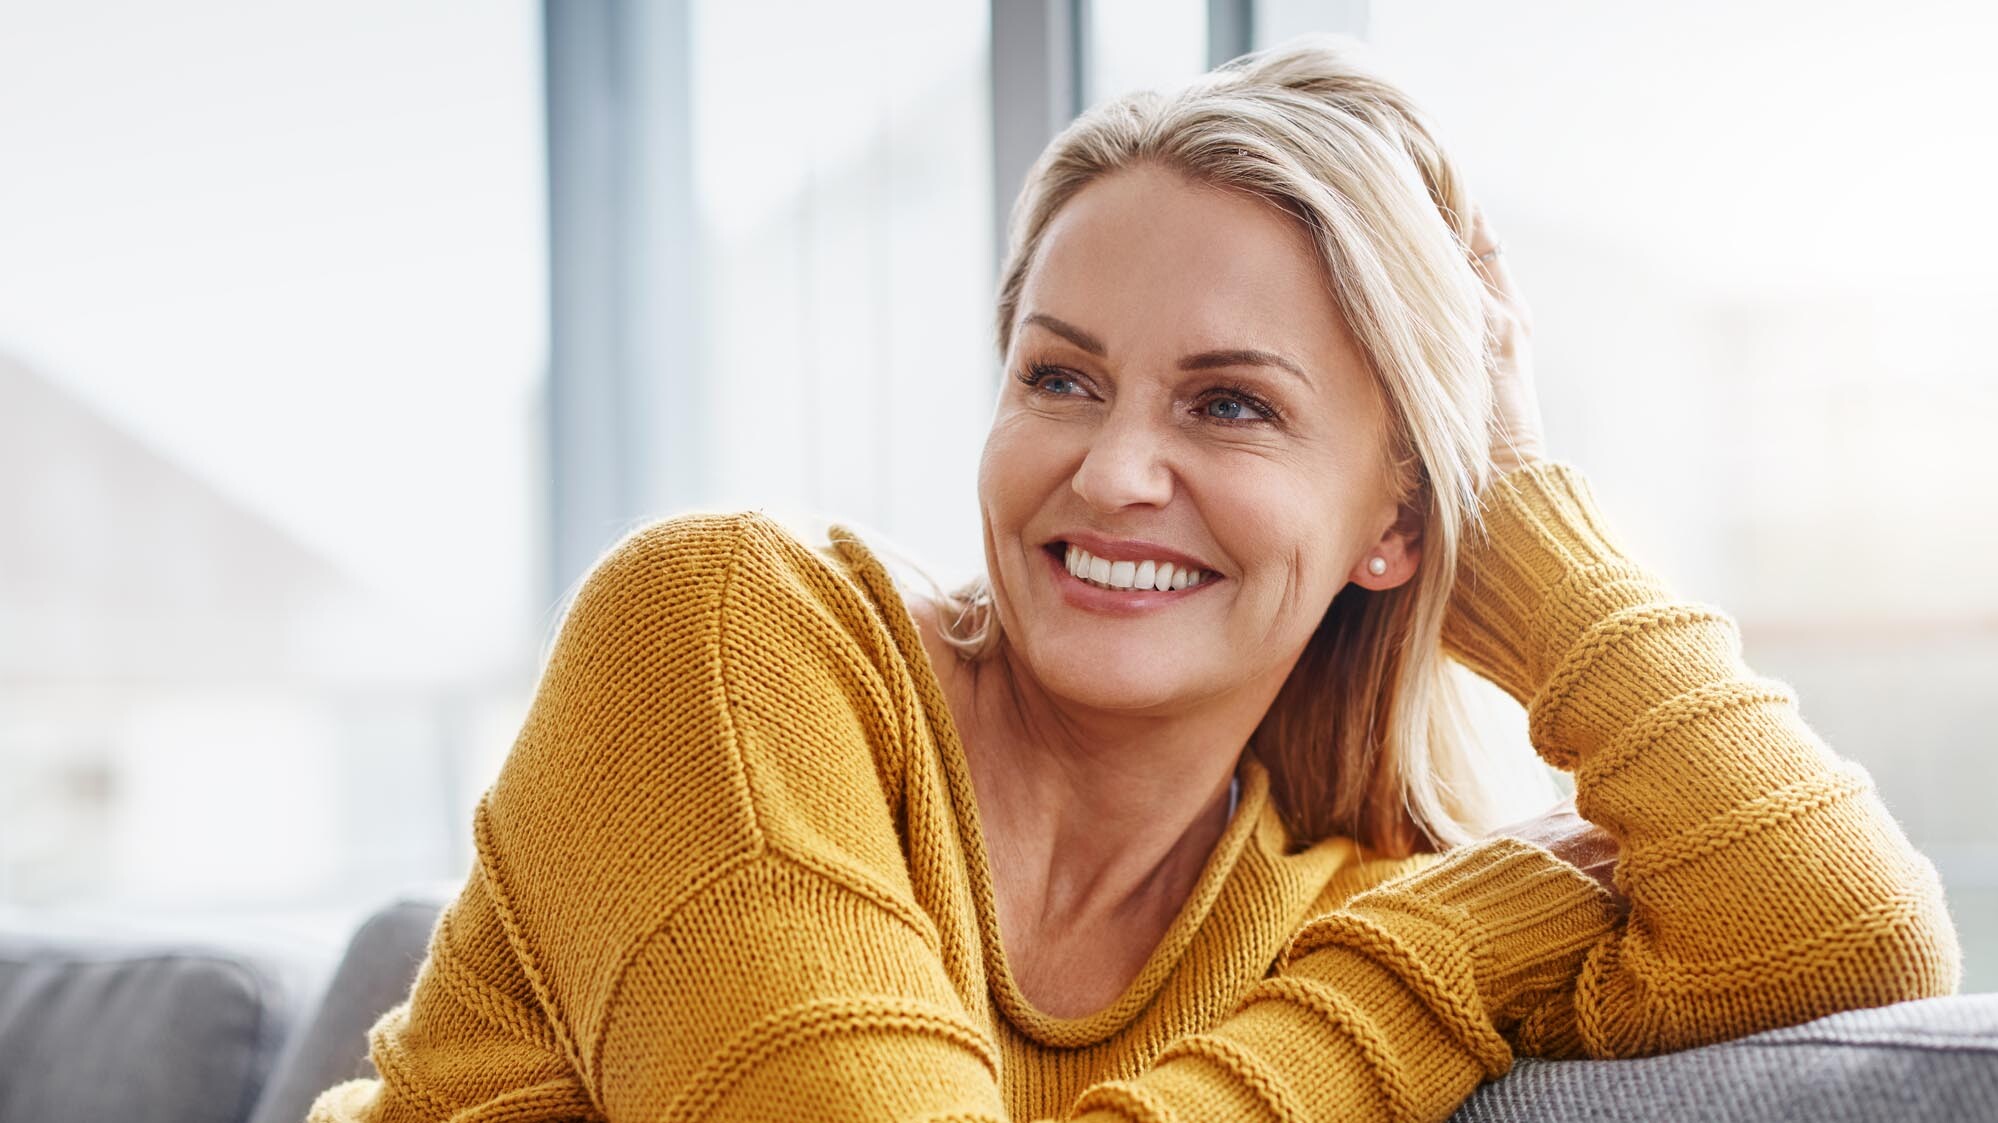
1015 467
992 470
1288 524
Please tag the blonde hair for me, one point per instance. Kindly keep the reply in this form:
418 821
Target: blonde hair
1371 736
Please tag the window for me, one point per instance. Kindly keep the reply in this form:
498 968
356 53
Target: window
1136 45
1760 326
845 278
272 337
291 501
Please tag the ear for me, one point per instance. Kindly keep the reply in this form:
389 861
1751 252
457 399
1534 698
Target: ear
1400 545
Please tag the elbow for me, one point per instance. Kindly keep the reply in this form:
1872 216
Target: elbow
1917 954
1898 946
1903 946
1892 938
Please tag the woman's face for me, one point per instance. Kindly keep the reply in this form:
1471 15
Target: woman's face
1198 397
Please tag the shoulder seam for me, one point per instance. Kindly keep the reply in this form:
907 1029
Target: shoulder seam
855 882
521 946
879 640
740 520
588 1064
721 602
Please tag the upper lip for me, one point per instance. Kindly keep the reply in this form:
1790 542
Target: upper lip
1130 549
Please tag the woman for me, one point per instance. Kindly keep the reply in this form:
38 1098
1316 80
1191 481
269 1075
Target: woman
779 840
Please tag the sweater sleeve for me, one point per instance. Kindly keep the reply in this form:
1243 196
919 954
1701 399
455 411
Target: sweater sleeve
695 840
1387 1008
1767 883
690 899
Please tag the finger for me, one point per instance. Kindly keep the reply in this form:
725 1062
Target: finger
1482 242
1489 258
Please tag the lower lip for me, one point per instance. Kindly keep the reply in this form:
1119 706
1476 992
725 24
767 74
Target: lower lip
1081 594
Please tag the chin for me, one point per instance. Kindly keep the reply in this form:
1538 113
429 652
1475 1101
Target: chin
1138 685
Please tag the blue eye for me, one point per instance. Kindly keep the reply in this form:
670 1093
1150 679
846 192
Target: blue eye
1241 398
1038 374
1041 377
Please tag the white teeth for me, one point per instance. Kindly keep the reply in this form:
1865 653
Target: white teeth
1143 575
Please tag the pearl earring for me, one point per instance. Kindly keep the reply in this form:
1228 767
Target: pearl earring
1376 566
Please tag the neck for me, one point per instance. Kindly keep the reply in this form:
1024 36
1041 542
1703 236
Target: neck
1093 814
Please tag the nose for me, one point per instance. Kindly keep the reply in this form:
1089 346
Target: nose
1126 463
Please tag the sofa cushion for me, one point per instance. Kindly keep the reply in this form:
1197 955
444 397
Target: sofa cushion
1936 1059
376 973
162 1032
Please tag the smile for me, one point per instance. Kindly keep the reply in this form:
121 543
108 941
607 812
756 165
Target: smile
1137 576
1082 591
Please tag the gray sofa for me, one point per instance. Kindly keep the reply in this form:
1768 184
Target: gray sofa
180 1034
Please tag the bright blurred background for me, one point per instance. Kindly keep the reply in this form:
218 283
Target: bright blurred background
337 340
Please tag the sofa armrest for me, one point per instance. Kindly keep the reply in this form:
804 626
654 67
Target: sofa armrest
1933 1059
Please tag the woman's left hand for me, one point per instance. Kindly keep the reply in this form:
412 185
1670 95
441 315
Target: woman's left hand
1517 435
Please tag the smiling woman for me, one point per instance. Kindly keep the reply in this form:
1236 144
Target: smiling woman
780 840
1187 226
1183 373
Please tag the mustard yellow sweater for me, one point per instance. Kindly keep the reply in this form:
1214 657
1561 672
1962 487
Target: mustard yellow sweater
733 870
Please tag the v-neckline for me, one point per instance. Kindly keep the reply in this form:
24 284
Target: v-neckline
1047 1029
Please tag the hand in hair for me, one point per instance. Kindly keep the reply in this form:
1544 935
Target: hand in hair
1517 435
1574 840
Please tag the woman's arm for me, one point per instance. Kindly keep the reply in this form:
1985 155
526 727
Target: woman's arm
1767 884
690 899
1390 1007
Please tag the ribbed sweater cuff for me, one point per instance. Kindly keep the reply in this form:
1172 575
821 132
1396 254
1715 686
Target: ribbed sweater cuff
1545 566
1511 915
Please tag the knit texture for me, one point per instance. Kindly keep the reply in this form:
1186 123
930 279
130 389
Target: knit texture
733 870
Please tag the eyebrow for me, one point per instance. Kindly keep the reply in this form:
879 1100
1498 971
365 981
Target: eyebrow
1205 360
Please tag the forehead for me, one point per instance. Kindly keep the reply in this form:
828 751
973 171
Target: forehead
1144 257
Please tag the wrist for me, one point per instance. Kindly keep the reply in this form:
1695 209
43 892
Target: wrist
1508 460
1538 568
1511 915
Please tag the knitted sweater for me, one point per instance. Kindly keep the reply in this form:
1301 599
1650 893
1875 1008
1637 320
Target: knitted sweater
733 870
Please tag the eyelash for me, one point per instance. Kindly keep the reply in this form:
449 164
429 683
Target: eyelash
1036 372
